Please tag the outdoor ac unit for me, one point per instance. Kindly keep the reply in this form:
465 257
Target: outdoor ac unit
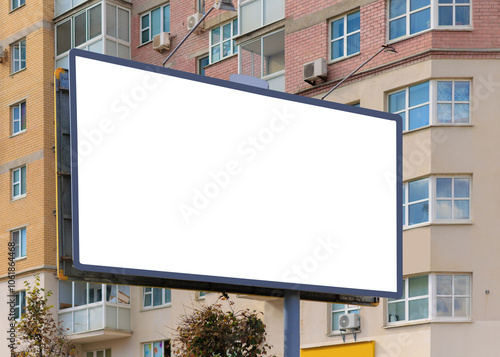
348 322
161 41
193 20
314 70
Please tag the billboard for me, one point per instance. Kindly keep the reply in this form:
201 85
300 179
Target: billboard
187 178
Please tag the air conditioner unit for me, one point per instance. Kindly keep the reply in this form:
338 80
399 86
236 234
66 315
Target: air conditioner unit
161 41
193 20
314 70
348 322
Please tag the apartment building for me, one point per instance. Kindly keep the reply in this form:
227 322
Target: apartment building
444 81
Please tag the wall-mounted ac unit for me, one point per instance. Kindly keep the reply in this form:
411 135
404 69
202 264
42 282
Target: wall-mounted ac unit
312 71
161 41
193 20
349 322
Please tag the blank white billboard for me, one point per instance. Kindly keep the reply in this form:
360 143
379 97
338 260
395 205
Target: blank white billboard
185 177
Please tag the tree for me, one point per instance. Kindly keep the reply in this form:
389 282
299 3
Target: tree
209 331
39 335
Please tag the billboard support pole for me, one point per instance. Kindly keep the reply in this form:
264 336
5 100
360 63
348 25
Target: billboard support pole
291 312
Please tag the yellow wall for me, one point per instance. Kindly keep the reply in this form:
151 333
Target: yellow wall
357 349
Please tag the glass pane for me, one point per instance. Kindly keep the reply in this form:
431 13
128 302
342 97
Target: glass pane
461 188
65 294
462 307
420 21
123 51
353 44
226 32
419 94
144 36
462 15
158 349
123 25
462 1
62 6
417 4
95 318
216 53
111 317
110 48
147 299
397 28
445 1
111 293
23 242
23 116
168 295
445 16
215 35
462 91
235 27
403 116
90 354
147 350
108 352
274 52
443 209
397 8
444 306
166 18
156 22
337 28
274 10
123 294
418 213
63 33
338 307
95 22
353 22
66 320
250 16
443 187
157 297
418 190
124 319
444 90
80 293
100 354
144 21
226 48
96 47
397 101
335 320
338 49
461 209
419 309
419 117
444 113
111 20
462 285
80 29
203 62
95 292
444 283
396 311
80 320
418 286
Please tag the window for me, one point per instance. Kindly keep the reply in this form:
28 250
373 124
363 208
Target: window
20 304
19 182
222 44
65 5
156 297
201 295
78 293
454 12
18 56
100 353
341 309
265 58
156 349
408 17
117 31
18 118
449 105
17 3
345 36
19 240
450 197
154 22
451 298
257 13
202 63
200 6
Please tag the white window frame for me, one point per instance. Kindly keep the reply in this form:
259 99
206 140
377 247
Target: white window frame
433 103
162 21
17 48
18 308
21 245
20 182
452 296
434 19
94 353
164 295
234 47
431 301
432 199
18 120
15 4
344 37
348 309
152 346
452 199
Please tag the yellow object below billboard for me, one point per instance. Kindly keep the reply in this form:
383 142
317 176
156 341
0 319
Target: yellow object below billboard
357 349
